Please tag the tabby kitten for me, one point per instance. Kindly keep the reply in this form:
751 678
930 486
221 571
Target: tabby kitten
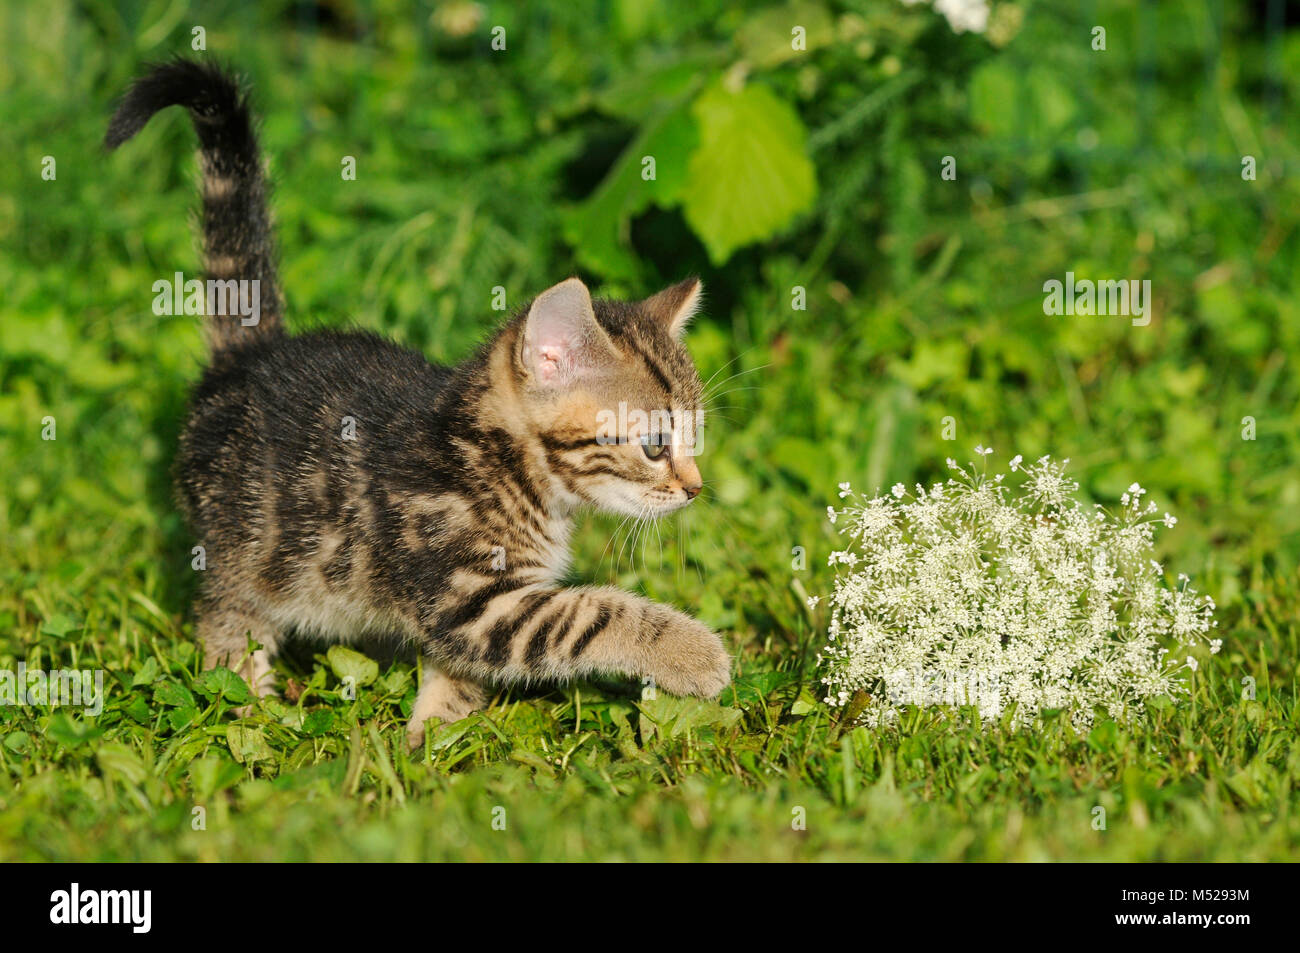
341 484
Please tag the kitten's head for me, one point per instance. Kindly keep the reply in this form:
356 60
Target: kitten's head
613 396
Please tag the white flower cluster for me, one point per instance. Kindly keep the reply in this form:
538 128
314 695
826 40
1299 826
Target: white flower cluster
962 15
972 592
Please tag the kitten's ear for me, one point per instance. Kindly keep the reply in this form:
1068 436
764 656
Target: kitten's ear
676 305
562 339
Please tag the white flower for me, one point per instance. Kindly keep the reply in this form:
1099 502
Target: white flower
1015 461
963 15
982 450
1001 595
845 490
831 514
1215 645
952 464
812 601
1191 663
1170 521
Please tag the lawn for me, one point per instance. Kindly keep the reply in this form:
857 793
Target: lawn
868 316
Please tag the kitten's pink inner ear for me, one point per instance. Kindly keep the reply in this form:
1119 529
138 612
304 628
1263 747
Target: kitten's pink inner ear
676 305
561 336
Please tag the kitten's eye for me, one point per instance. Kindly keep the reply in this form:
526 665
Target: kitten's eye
653 447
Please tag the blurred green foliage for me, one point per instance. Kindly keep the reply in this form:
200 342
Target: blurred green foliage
775 169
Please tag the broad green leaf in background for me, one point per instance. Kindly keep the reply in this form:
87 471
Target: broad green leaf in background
751 174
597 228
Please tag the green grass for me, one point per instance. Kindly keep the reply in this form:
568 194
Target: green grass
589 773
924 302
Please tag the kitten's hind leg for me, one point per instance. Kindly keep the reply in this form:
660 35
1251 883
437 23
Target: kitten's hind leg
225 627
444 696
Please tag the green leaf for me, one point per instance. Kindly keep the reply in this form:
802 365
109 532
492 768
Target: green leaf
222 683
753 688
173 694
349 664
62 730
182 718
247 744
804 704
598 228
318 722
147 673
138 710
60 626
751 175
448 733
673 716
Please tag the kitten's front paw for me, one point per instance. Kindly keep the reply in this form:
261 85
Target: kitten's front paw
445 697
690 659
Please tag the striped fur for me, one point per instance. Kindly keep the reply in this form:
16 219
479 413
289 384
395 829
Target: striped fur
344 485
237 239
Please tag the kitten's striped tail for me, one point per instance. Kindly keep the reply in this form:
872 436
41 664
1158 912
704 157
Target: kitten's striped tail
237 242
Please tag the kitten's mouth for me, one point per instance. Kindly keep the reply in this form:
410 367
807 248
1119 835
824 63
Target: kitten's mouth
647 506
668 505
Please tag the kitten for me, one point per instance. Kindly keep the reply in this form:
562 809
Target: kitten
341 484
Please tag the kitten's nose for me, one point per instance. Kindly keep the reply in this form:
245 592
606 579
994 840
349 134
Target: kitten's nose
688 475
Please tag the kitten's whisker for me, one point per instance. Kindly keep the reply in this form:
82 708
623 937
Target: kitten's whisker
706 384
659 535
717 392
613 538
631 533
718 416
732 377
638 538
712 399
